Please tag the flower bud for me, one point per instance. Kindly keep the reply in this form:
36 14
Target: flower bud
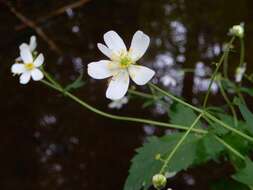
159 181
239 73
237 30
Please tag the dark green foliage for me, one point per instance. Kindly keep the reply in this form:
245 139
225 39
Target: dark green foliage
145 164
245 174
228 184
182 115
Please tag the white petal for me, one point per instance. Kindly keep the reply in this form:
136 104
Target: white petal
26 55
37 74
118 86
39 60
105 50
17 68
140 74
33 43
23 46
25 78
114 42
139 45
100 69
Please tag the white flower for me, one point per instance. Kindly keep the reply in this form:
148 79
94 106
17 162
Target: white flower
239 73
237 30
29 67
118 104
122 63
32 46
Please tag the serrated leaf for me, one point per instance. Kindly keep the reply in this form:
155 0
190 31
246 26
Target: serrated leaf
145 166
245 175
182 115
208 148
246 114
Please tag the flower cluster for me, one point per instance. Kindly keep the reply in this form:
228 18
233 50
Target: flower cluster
237 30
27 65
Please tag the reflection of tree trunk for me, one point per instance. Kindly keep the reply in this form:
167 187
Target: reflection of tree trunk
192 56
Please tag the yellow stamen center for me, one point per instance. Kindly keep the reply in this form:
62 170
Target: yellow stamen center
125 62
29 66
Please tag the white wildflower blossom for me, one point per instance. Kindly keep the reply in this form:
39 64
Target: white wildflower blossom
118 104
122 64
237 30
32 46
28 66
239 73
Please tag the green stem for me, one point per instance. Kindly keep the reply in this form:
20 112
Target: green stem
225 65
242 54
122 118
234 151
175 98
48 77
216 71
204 113
180 142
249 138
229 103
141 94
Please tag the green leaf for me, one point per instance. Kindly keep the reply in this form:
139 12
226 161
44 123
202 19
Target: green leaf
246 114
245 175
248 91
220 130
208 148
182 115
145 165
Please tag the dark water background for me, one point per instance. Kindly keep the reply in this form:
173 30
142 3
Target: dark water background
48 142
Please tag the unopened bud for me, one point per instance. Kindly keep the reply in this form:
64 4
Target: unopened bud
159 181
237 30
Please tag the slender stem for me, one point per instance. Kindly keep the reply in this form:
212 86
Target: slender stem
175 98
48 77
216 71
225 65
230 148
229 103
141 94
204 113
249 138
140 120
180 142
116 117
242 54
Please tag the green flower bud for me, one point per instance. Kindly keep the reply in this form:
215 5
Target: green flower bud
159 181
237 30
